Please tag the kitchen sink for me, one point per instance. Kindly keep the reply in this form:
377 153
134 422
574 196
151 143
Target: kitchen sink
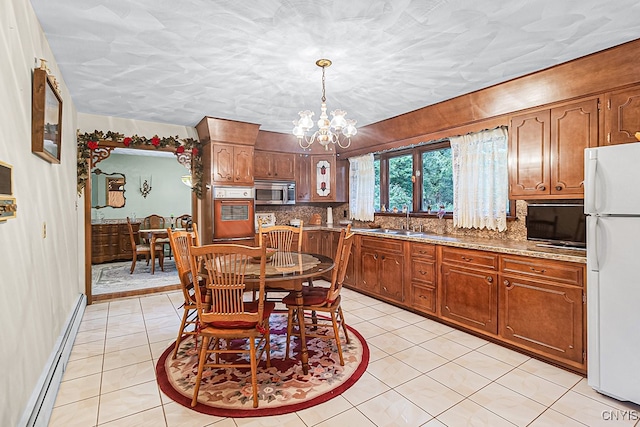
399 232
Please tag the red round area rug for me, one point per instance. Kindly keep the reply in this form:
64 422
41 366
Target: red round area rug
282 389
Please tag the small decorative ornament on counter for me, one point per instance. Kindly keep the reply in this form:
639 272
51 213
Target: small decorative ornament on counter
441 212
315 219
323 169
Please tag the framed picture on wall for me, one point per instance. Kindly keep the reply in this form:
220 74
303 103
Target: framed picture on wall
8 205
46 117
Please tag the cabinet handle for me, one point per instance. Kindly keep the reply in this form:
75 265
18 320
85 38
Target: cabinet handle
464 258
424 273
375 256
423 296
558 187
506 283
489 279
542 188
538 271
385 289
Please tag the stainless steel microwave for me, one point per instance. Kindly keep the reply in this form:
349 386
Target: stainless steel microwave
275 192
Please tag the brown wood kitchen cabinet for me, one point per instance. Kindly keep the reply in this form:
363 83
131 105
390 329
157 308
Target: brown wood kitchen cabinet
232 164
382 268
542 307
303 178
350 278
335 177
622 116
546 150
468 292
274 165
423 277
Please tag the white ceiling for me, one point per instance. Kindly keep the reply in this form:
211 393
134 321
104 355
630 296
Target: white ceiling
176 61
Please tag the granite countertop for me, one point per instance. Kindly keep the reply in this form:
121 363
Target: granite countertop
523 248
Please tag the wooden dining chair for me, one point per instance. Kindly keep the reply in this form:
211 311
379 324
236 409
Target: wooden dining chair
143 249
229 317
180 242
183 221
323 300
282 238
155 221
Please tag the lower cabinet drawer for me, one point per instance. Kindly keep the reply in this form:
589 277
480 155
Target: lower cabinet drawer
423 271
423 298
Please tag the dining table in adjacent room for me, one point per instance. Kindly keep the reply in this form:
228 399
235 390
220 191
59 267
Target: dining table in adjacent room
151 235
287 271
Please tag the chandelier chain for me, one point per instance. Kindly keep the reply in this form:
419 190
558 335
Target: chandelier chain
324 98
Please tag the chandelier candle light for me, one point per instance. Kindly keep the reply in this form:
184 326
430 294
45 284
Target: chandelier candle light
337 131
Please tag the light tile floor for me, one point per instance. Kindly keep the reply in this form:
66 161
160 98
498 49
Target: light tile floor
421 373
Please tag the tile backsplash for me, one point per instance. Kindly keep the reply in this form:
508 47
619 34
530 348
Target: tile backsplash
516 229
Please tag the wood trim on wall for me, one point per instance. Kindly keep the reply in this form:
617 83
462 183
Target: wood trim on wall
487 108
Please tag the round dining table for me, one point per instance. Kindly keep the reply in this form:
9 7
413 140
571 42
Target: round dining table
287 271
152 235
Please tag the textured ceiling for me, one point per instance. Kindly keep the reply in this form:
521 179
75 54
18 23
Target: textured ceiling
176 61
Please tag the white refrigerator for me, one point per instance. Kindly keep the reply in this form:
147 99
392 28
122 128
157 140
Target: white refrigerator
612 206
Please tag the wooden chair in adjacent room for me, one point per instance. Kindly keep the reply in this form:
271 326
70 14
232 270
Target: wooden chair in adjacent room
180 242
152 221
229 316
323 300
183 221
143 249
155 221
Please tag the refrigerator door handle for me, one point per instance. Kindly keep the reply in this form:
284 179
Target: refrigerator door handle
590 195
592 255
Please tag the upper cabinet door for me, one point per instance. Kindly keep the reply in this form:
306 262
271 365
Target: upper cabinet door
222 170
546 150
303 178
528 155
274 165
243 165
323 178
284 165
573 128
232 164
622 116
262 165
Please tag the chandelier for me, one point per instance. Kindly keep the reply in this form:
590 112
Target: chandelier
337 131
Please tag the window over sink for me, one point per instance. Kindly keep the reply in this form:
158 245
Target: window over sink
420 178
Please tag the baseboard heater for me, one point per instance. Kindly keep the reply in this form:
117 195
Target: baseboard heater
38 410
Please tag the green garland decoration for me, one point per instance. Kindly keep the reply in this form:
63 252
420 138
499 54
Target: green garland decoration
87 142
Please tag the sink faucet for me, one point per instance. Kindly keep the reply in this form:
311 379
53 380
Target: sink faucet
406 226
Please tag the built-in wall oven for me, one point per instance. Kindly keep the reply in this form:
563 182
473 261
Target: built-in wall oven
233 213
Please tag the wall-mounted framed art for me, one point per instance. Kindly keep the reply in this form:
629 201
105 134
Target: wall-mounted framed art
8 205
46 116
